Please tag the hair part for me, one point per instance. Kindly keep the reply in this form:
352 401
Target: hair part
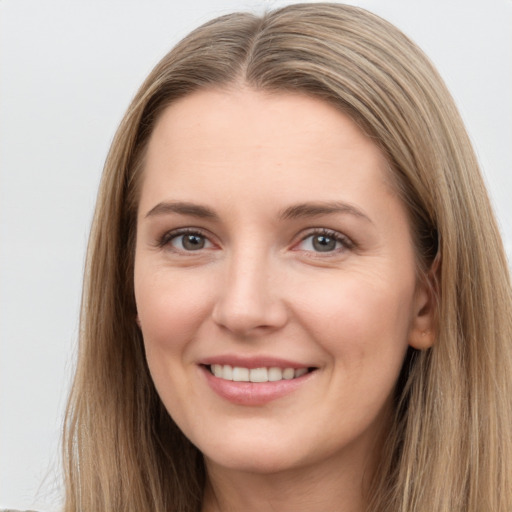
450 446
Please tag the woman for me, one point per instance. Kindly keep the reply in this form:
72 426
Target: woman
296 294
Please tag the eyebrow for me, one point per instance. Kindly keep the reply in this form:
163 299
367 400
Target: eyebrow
182 208
302 210
306 210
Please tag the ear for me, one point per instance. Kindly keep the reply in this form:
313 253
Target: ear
137 320
423 330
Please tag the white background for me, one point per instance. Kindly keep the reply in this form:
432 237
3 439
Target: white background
68 69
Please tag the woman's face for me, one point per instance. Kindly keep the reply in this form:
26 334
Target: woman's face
275 280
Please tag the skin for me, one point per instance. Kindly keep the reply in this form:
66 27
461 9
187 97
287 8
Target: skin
259 286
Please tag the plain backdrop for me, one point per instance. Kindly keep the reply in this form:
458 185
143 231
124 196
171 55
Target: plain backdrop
68 69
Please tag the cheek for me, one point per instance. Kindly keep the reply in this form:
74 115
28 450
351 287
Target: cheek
170 308
362 322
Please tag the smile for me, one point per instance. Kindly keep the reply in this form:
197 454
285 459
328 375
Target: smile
258 385
242 374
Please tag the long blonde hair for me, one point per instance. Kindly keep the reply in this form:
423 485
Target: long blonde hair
450 447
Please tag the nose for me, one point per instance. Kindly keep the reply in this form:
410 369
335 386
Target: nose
250 302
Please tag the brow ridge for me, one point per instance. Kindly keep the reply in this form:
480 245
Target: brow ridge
315 209
182 208
297 211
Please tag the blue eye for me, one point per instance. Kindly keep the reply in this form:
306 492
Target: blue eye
324 241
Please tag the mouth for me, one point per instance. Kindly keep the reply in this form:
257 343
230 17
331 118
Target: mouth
257 375
255 381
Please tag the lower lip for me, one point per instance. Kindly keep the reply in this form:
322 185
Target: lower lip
253 393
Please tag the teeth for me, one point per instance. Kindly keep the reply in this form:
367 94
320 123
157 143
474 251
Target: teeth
241 374
275 374
227 372
288 373
300 372
258 375
217 370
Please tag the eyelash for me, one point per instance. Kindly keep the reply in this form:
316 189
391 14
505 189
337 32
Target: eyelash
347 244
169 236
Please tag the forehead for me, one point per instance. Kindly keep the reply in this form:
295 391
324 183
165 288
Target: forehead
228 138
248 116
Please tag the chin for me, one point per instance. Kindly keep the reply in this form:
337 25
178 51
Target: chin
265 454
255 461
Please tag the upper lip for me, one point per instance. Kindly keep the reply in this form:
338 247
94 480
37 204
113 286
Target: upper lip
253 362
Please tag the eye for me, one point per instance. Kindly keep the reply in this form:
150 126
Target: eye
324 241
185 241
190 242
